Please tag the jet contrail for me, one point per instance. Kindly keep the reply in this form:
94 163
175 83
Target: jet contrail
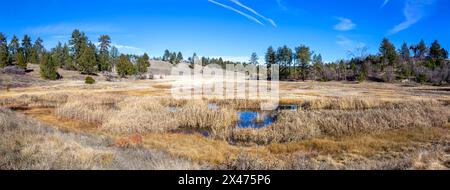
384 3
237 11
237 2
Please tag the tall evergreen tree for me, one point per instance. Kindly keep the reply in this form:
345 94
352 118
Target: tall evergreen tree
303 55
14 46
179 57
37 50
104 58
436 50
48 69
166 56
58 55
67 59
173 58
20 59
318 67
254 59
404 53
88 60
27 48
388 53
422 49
77 43
270 60
4 53
114 55
284 59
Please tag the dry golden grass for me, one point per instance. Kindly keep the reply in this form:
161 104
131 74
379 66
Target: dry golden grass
30 145
197 115
305 124
338 126
140 115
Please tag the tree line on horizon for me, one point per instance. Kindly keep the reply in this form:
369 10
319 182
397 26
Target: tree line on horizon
79 54
418 63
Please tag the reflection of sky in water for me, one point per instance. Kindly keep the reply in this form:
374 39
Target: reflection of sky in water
255 120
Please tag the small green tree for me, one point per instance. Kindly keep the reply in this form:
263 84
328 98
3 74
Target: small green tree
142 64
125 67
48 67
20 57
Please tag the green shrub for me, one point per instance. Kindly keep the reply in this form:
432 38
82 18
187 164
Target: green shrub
89 80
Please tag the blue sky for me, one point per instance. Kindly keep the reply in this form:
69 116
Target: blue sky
232 28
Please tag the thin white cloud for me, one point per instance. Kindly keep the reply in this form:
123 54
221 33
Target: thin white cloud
281 5
385 3
414 11
344 24
237 11
237 2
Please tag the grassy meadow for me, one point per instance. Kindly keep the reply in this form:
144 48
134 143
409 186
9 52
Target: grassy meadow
130 124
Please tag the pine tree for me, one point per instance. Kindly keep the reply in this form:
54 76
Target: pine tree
4 53
87 63
270 60
114 53
173 58
58 56
303 55
142 64
179 57
37 50
284 59
14 46
436 50
48 67
166 56
20 58
254 59
422 50
388 53
404 53
27 48
125 67
318 67
77 44
104 58
67 59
